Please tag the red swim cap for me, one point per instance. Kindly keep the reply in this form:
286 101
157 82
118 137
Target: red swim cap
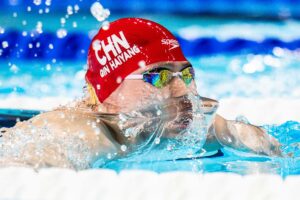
116 52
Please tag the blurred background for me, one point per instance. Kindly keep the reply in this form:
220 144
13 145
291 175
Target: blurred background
241 49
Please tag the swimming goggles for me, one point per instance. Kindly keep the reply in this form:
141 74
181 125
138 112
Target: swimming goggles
161 77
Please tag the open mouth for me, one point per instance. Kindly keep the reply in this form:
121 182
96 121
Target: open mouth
182 115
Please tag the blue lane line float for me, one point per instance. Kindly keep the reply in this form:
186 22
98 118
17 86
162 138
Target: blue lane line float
74 46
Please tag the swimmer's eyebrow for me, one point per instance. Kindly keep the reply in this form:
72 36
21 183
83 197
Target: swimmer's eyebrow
168 67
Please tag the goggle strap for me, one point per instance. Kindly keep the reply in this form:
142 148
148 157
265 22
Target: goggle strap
134 76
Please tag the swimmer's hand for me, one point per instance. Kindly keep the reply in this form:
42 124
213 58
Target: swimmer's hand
246 137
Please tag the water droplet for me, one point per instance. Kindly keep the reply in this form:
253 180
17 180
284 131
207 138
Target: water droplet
158 112
142 64
24 22
2 30
47 10
98 87
37 2
74 24
99 12
61 33
15 14
70 10
28 8
48 2
109 156
126 134
14 68
105 25
41 11
30 46
62 21
123 147
4 44
50 46
157 140
76 8
119 80
96 45
48 67
169 147
39 26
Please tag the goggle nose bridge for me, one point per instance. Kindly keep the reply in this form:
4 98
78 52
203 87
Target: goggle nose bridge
174 74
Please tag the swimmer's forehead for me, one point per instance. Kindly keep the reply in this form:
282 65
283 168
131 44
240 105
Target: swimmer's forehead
172 66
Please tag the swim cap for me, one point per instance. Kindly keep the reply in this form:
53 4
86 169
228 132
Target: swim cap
119 50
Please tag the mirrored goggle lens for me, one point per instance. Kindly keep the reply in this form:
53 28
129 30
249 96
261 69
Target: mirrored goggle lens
158 80
188 74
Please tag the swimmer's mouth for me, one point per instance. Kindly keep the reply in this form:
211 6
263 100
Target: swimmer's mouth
181 122
183 117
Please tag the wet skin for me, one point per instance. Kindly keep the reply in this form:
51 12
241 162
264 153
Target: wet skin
132 94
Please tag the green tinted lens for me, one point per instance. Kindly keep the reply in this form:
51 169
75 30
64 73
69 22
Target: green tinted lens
165 77
188 75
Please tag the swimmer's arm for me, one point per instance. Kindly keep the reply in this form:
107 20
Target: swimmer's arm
245 137
63 126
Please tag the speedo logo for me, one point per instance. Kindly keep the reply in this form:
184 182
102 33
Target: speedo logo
171 43
115 51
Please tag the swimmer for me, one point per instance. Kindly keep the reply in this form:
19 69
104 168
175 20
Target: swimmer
140 91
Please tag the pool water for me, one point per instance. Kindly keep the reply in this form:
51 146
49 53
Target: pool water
216 76
44 84
228 160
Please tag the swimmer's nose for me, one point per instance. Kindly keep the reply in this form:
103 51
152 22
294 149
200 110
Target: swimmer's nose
178 87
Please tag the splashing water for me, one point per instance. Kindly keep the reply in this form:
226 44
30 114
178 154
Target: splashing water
159 132
99 12
39 146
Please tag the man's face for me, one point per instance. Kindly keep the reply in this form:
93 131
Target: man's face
133 94
171 113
